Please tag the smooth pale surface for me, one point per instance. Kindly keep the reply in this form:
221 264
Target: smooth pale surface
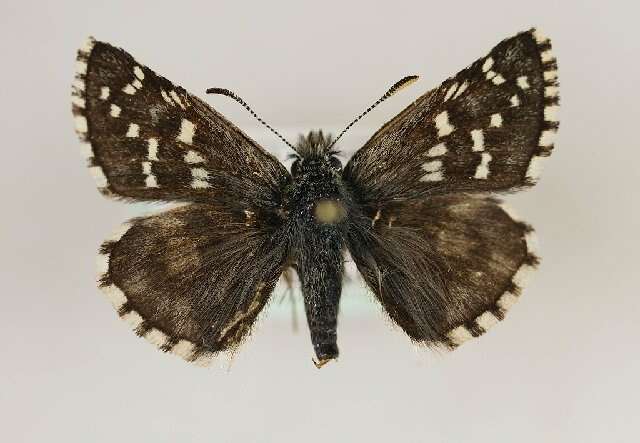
564 365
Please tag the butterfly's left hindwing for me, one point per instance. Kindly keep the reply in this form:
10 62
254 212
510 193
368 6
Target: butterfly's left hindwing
486 129
192 280
447 268
148 139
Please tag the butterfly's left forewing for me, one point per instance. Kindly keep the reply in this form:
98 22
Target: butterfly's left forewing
148 139
486 129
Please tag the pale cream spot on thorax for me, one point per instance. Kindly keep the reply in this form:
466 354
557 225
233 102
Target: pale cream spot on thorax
329 211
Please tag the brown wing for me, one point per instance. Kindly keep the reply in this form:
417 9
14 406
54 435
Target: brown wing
148 139
445 269
192 280
486 129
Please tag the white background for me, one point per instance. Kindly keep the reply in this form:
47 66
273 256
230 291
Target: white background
563 366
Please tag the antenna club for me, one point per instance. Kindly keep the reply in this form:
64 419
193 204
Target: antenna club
402 83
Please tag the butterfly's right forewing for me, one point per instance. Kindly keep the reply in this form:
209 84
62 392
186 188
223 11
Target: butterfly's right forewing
149 139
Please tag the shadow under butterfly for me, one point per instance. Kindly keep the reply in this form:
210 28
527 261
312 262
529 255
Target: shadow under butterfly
414 206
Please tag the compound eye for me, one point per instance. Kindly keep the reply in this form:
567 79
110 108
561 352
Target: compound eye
335 163
295 168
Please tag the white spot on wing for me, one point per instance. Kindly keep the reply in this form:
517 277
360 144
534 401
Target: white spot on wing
79 84
98 176
199 184
133 130
81 124
104 93
523 83
531 240
486 320
102 265
482 171
459 335
78 101
115 295
496 120
432 177
187 130
550 75
176 98
461 89
523 275
535 167
432 166
506 301
546 56
547 137
450 91
86 150
87 46
150 181
498 79
200 176
137 71
551 91
539 36
152 144
137 84
488 63
129 89
166 97
478 140
437 150
442 124
133 319
81 67
199 173
115 110
156 337
551 113
515 101
184 349
193 157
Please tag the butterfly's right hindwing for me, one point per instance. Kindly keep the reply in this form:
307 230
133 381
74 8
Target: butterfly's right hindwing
192 280
148 139
445 269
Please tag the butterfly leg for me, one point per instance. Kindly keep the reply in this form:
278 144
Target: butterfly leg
287 276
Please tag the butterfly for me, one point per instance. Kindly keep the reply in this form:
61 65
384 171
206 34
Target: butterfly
415 207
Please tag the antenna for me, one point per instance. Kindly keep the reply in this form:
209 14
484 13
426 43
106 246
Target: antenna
406 81
226 92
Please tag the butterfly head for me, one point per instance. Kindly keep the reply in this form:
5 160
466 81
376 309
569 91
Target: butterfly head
315 155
